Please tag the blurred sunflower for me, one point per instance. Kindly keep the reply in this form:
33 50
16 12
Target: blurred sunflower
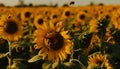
95 10
104 13
81 17
93 25
116 18
75 24
109 8
10 28
47 12
26 14
98 61
55 17
86 9
53 41
67 13
39 20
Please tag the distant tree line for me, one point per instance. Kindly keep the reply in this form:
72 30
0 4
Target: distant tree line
22 4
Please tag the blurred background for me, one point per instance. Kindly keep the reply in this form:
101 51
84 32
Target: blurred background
87 31
56 2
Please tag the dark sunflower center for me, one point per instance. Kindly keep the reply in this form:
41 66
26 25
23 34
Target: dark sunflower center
53 40
27 14
67 13
107 16
40 21
54 16
99 62
101 12
82 16
85 11
11 27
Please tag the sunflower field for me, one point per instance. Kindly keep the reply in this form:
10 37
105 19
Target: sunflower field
81 37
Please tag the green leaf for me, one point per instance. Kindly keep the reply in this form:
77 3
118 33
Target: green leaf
2 55
35 58
55 65
47 65
74 64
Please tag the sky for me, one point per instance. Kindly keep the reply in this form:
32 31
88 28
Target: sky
59 2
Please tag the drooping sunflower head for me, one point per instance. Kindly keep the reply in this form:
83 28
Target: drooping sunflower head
53 41
11 29
99 61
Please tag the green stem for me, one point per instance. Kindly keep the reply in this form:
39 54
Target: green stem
30 34
10 54
82 66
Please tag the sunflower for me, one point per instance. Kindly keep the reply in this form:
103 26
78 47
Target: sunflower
54 43
75 24
116 18
95 10
26 15
47 12
67 13
93 25
87 9
10 28
39 20
97 60
55 17
104 13
81 17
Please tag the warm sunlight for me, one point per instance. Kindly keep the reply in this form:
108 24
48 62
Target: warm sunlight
59 34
